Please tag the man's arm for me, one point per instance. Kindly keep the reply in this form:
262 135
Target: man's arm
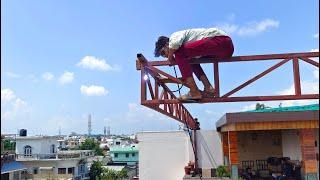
171 58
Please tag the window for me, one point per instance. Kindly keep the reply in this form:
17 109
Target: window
133 154
27 151
115 155
70 170
81 168
61 170
127 155
118 143
52 149
35 170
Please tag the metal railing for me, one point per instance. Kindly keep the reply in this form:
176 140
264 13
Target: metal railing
80 154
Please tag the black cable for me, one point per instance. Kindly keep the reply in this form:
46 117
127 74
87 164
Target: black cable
179 88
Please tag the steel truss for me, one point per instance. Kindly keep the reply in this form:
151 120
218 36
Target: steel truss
168 104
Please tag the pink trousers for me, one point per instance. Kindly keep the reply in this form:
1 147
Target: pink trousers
218 46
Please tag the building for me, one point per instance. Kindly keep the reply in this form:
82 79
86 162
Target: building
260 139
163 155
128 155
43 160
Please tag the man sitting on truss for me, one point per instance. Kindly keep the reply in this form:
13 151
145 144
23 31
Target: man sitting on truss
194 43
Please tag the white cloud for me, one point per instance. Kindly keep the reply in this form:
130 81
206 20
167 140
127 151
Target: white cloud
308 87
314 50
7 95
47 76
15 112
249 107
316 74
93 90
229 28
12 75
251 28
66 78
316 36
91 62
257 27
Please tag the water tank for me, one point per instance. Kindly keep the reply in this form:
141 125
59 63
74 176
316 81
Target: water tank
23 132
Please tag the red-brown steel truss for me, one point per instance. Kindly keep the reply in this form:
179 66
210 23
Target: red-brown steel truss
162 99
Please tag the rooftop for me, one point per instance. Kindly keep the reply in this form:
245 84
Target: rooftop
123 149
35 137
275 118
311 107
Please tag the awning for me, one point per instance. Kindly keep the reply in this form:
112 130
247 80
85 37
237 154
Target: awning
12 166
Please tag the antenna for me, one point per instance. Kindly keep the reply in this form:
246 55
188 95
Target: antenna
89 125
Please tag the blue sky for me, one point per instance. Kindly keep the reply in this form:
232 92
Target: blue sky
61 60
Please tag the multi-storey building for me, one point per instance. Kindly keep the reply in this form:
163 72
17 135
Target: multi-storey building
44 161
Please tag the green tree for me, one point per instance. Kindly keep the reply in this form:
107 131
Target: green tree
260 106
122 174
9 145
110 174
222 171
95 170
90 144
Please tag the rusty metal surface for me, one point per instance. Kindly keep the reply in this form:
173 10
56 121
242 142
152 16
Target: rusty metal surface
167 103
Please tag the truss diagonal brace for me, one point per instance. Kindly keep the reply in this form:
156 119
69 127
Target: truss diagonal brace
174 110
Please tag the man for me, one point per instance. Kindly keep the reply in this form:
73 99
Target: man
194 43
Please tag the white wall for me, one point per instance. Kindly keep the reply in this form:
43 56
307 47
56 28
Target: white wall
210 153
163 155
53 163
291 144
38 145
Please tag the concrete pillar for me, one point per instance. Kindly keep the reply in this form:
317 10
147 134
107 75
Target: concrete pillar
233 154
308 154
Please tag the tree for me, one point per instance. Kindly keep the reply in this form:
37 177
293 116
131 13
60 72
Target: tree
95 170
9 145
90 144
260 106
110 174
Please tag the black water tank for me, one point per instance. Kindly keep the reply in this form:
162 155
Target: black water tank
23 132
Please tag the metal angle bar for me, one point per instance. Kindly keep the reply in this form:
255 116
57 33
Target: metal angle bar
238 58
171 78
156 89
143 86
216 79
310 61
256 78
150 89
296 75
239 99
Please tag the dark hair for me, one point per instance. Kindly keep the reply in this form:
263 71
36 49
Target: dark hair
161 42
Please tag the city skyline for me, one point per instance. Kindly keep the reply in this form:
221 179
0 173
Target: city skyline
64 60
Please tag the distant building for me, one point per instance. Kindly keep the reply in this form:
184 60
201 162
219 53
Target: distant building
128 155
10 169
43 160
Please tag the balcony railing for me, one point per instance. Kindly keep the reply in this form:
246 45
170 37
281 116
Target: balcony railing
79 154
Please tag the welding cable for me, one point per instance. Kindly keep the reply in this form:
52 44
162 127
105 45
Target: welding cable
179 88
